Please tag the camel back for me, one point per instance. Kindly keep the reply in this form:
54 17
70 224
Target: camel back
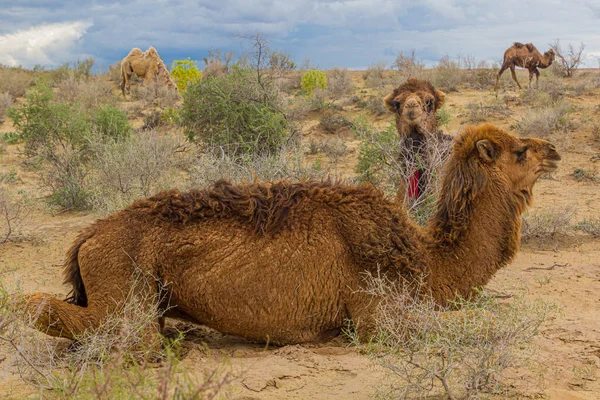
263 205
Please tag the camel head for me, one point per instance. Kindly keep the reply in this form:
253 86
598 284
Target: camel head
163 76
490 166
415 104
549 56
488 155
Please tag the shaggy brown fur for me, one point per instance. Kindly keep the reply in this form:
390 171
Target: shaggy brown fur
285 261
415 104
147 66
524 56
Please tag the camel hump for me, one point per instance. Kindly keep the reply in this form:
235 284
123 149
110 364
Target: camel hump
518 45
530 46
72 272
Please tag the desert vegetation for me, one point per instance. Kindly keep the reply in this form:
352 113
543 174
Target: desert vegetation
72 149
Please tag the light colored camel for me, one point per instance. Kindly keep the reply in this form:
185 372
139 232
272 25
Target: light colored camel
285 261
524 56
147 66
415 104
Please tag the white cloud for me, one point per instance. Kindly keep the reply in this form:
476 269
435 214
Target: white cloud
44 44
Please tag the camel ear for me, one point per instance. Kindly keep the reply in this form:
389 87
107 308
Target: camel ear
441 98
487 151
390 103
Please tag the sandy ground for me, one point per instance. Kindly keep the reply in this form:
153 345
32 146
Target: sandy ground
565 270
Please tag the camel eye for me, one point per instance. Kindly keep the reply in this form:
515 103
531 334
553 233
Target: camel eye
521 154
429 105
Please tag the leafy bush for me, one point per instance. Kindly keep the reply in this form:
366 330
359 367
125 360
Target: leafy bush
185 72
111 122
58 136
234 113
313 79
377 150
443 116
42 123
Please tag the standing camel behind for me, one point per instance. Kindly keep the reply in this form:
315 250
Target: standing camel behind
525 56
285 262
147 66
423 147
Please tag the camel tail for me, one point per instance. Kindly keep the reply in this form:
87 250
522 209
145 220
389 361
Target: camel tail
73 273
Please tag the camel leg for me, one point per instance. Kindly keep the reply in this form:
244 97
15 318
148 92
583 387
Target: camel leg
502 69
514 76
537 77
531 73
129 298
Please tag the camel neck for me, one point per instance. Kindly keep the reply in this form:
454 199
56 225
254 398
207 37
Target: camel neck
488 240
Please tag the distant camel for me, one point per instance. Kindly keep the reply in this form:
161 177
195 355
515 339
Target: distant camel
147 66
285 262
525 56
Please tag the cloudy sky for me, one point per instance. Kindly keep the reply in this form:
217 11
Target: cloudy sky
344 33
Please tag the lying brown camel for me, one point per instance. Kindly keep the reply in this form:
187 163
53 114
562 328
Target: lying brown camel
524 56
415 104
147 66
285 261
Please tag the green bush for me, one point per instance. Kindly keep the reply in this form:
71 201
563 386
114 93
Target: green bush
111 121
235 113
376 149
42 123
185 72
312 80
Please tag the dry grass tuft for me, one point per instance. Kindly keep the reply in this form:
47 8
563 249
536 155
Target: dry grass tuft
116 360
547 223
463 351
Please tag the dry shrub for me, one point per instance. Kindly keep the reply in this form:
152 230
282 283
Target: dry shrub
447 75
15 213
116 360
541 122
586 175
87 94
332 123
210 166
463 351
5 103
114 72
480 112
546 223
296 108
155 93
334 148
374 76
15 81
129 169
379 163
338 82
591 226
408 65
